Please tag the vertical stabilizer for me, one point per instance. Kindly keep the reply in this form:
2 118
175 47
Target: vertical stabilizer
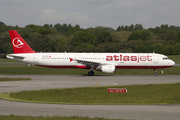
18 43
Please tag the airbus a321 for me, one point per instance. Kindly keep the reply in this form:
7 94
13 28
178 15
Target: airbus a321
105 62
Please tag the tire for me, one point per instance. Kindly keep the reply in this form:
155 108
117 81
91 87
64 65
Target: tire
90 73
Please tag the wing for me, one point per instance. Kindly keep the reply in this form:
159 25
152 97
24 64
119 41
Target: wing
89 63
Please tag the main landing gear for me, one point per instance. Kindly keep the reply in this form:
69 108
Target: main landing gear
90 73
155 74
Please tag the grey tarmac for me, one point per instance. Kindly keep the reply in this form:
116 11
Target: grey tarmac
138 112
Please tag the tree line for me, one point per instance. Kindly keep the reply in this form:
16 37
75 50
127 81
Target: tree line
162 39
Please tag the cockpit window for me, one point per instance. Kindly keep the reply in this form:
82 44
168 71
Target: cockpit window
165 58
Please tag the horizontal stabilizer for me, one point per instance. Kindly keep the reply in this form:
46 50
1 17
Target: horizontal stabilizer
15 56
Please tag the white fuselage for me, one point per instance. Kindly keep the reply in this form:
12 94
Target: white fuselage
119 60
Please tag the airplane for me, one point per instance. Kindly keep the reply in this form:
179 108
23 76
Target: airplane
104 62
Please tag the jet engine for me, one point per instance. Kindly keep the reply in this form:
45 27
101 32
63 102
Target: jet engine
106 68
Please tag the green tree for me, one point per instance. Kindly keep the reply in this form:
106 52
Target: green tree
72 30
48 25
5 43
107 47
169 50
82 37
131 28
126 28
41 45
104 36
121 36
64 29
178 37
58 43
140 34
84 47
145 35
140 47
1 23
158 48
42 30
120 28
138 27
58 27
177 49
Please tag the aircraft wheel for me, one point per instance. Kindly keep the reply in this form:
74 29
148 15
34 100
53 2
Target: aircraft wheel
155 74
90 73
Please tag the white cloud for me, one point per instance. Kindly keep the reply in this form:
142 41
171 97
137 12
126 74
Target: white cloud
90 13
50 15
53 16
96 2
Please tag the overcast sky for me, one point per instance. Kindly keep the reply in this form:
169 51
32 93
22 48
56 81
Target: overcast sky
90 13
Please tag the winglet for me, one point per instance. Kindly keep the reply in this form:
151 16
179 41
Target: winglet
18 43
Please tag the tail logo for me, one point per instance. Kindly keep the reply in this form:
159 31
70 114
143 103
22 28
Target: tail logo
17 43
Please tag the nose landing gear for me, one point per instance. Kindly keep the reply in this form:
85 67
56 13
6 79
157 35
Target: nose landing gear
155 74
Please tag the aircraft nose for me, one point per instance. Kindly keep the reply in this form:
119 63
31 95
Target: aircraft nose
172 63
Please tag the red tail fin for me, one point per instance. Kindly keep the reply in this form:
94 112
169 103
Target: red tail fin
18 43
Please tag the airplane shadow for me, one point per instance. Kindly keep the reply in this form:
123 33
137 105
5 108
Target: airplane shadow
85 75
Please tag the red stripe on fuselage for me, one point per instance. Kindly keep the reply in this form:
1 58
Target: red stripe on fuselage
142 67
77 66
117 67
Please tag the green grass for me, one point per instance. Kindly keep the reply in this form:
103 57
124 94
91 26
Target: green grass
35 70
13 117
137 94
13 79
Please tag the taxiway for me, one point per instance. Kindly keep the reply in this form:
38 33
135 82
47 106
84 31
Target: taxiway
138 112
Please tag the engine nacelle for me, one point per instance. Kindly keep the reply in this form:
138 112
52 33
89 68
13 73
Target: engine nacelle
106 68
